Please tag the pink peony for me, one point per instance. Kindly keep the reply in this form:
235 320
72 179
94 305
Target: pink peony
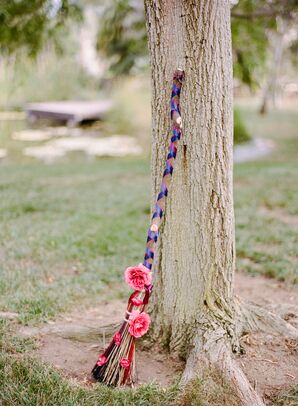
125 363
101 360
117 339
138 323
138 277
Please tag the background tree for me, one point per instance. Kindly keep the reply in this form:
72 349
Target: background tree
122 39
260 32
28 24
195 312
256 35
122 36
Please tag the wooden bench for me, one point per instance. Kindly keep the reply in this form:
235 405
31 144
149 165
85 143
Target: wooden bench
73 112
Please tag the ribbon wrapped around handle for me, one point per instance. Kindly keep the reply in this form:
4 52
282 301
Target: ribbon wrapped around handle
115 366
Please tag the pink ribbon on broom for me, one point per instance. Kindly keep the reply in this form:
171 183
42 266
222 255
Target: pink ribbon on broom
116 365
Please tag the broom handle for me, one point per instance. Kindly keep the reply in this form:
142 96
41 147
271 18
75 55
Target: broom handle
107 368
159 207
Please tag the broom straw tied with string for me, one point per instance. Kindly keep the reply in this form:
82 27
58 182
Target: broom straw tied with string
116 365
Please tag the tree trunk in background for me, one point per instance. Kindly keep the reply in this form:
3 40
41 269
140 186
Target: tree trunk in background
271 91
193 304
89 57
278 45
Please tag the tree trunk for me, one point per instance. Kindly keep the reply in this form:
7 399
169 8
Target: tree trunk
194 312
195 261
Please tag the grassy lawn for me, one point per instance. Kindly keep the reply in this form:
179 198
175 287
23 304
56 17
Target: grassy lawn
266 200
288 398
69 230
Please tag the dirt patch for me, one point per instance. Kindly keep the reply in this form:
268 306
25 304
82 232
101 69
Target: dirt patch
270 363
289 219
264 291
282 215
8 315
76 359
71 343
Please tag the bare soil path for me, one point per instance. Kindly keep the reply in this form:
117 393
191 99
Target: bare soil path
71 342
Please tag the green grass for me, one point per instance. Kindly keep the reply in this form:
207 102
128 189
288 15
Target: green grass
241 133
288 397
78 225
68 230
266 200
28 383
24 381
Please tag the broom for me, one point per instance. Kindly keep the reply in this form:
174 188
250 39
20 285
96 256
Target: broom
116 365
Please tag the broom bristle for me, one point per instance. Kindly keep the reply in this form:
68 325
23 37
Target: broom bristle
116 365
111 372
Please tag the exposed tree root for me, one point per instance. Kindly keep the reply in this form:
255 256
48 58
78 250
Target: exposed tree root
9 315
77 332
284 310
213 347
257 318
212 350
86 334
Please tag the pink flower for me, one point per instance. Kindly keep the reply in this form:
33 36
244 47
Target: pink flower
101 360
138 277
136 301
117 339
125 363
138 323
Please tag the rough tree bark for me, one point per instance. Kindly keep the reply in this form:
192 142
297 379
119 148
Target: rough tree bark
196 259
194 309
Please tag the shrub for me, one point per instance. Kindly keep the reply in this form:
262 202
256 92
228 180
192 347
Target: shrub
241 133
